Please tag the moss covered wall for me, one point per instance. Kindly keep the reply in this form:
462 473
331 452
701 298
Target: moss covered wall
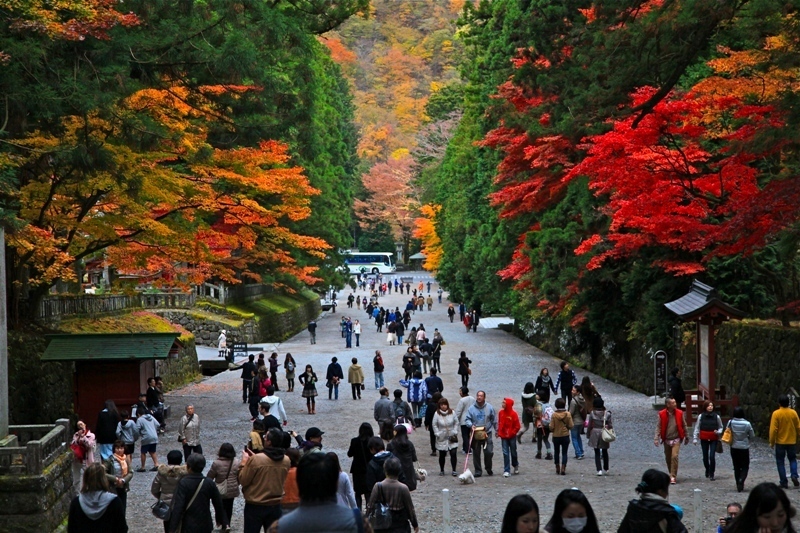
181 370
755 361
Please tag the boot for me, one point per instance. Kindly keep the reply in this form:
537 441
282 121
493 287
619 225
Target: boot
563 470
558 470
309 409
519 438
549 456
417 422
539 455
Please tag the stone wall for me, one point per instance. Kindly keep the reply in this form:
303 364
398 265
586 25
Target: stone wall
39 392
277 327
181 370
206 329
755 361
36 504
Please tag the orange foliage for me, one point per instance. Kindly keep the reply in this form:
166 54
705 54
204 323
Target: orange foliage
425 230
339 51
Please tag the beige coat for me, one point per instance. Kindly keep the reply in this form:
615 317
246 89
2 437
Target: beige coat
166 481
355 374
217 474
560 423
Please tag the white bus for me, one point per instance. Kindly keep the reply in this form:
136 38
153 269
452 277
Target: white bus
369 262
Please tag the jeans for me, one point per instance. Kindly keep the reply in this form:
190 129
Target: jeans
542 436
333 390
437 363
597 453
257 517
741 464
313 337
561 449
246 386
464 380
709 456
378 380
577 441
509 452
356 388
358 339
348 340
782 451
465 438
399 338
487 448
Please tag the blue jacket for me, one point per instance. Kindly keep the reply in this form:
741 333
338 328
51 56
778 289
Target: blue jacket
417 390
482 416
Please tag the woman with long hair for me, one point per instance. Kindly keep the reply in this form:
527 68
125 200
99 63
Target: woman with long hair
767 510
225 468
572 514
521 516
652 511
308 380
404 450
528 405
359 451
598 419
95 508
588 390
289 366
344 490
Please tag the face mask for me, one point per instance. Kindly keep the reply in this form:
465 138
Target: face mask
575 525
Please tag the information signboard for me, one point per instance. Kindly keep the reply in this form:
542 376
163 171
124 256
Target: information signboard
660 371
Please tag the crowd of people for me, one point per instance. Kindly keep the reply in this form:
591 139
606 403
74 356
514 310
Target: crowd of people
290 484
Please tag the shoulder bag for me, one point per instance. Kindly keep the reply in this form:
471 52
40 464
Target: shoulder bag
381 516
188 421
608 434
727 436
161 510
223 487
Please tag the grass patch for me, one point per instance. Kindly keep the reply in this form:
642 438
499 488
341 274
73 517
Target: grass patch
275 303
135 322
199 314
221 308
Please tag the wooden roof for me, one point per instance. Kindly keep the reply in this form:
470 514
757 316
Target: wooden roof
702 300
110 346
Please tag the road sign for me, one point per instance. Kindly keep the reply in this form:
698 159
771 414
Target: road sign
660 371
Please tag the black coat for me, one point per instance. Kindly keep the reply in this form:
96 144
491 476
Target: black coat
106 430
112 521
676 389
646 516
361 457
197 518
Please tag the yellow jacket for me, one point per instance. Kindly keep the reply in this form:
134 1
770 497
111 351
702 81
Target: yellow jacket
784 426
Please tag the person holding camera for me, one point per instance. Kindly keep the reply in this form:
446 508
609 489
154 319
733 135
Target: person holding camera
731 511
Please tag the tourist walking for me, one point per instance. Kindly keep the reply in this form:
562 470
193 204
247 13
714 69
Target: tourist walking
599 419
355 376
417 395
462 408
404 450
82 446
333 376
545 381
262 477
572 513
96 508
148 430
106 429
451 312
391 335
402 412
225 469
528 405
248 372
375 471
166 480
463 369
348 333
377 368
383 410
312 328
359 452
561 424
357 332
742 436
430 410
708 429
445 428
565 381
521 515
676 387
273 370
308 380
189 433
482 421
507 428
190 503
436 353
671 433
784 427
577 410
344 489
541 415
652 511
396 496
119 472
290 367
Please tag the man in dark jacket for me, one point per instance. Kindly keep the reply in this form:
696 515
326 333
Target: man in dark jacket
566 380
248 371
312 329
154 404
434 383
332 378
197 516
375 471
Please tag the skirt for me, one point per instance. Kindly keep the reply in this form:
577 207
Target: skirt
391 337
309 392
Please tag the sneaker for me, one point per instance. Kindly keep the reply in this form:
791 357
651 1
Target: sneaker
516 470
478 474
796 482
549 456
711 477
433 453
154 469
539 455
599 472
579 458
784 485
141 470
441 473
605 472
455 474
489 472
673 481
506 474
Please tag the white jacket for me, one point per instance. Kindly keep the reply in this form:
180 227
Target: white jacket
275 407
462 407
444 427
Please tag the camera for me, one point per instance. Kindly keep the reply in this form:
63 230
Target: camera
728 519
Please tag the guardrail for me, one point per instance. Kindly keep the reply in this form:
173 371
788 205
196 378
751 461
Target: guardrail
41 445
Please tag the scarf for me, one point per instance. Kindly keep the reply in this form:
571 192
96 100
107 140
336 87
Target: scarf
123 464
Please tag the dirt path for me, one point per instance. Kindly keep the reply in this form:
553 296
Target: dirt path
501 366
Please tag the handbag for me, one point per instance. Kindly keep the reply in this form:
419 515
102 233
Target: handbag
608 434
381 515
363 386
78 450
480 433
727 435
223 487
161 510
452 439
719 447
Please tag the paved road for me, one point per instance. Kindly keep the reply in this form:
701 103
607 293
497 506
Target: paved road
501 366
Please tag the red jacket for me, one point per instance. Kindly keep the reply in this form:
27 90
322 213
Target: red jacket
662 415
508 421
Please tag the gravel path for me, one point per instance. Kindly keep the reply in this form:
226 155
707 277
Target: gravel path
501 366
